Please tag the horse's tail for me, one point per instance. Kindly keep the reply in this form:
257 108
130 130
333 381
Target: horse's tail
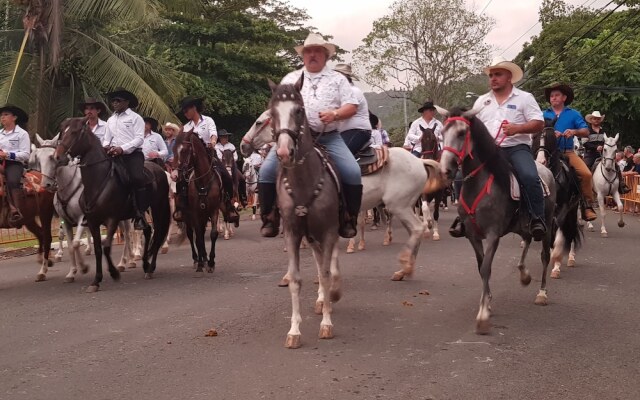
160 212
567 223
435 179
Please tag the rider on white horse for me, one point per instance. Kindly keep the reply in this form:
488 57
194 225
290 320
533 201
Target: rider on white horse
594 144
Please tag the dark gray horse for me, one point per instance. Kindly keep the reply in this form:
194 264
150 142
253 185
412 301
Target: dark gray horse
486 207
107 202
308 200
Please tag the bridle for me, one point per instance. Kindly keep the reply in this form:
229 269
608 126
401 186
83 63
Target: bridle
466 146
249 140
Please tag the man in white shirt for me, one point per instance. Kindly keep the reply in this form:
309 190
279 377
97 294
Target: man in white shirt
154 147
412 141
192 107
224 144
355 131
123 138
95 110
512 115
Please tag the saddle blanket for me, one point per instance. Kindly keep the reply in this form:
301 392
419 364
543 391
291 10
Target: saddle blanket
374 162
32 183
515 188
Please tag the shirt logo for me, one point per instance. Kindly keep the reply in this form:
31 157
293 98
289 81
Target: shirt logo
511 106
487 102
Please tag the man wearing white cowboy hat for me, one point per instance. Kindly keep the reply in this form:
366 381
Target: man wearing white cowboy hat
328 99
355 131
512 115
594 144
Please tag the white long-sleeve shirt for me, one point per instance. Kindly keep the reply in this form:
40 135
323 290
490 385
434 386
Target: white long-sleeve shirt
414 134
206 128
125 130
154 142
227 146
100 129
361 118
16 143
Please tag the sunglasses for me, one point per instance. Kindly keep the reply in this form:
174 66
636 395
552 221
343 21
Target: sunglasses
118 100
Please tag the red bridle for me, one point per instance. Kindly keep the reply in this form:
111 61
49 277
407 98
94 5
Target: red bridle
466 146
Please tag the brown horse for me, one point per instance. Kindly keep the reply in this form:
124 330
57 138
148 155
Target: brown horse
36 204
193 164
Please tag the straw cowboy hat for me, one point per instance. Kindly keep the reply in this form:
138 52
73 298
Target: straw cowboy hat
124 94
316 40
502 63
103 111
21 116
171 126
345 69
563 88
595 114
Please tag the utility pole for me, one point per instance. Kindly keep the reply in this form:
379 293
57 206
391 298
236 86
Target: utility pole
404 98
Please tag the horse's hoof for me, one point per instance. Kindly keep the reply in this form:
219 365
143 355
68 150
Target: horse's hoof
84 268
318 308
41 278
121 268
604 234
374 227
284 282
198 274
350 250
49 263
386 242
590 227
226 237
483 327
526 280
87 252
115 275
210 270
293 342
335 295
541 300
326 332
253 217
361 246
397 276
148 275
69 279
621 224
92 288
132 265
555 274
316 280
436 237
571 263
58 258
164 250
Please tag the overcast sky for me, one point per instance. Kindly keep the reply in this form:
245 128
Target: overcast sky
349 21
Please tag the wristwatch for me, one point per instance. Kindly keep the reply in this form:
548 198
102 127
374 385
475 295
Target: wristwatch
336 116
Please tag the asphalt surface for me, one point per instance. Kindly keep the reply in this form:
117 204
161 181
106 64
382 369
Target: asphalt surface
146 339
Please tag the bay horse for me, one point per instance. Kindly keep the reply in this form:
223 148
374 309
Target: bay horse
398 185
431 151
37 213
106 201
251 181
192 163
493 213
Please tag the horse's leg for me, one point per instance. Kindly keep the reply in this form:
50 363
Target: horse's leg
557 254
200 246
137 245
388 233
97 249
73 256
326 268
571 261
407 256
61 237
483 326
37 231
148 267
75 247
194 253
88 246
426 216
616 198
545 257
351 245
436 214
112 225
603 215
525 277
293 243
211 265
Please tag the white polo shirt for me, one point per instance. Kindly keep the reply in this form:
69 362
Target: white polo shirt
361 118
16 143
414 135
205 129
154 142
227 146
100 129
519 108
125 130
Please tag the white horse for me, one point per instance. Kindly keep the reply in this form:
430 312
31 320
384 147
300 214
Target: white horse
251 179
606 182
398 185
362 219
66 180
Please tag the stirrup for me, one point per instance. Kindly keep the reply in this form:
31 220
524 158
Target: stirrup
457 228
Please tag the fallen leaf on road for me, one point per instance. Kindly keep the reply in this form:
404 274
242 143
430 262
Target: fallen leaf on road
424 292
211 333
407 303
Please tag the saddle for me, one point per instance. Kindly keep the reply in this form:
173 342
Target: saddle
371 159
515 188
31 183
123 176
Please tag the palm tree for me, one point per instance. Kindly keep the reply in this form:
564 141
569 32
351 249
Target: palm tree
70 49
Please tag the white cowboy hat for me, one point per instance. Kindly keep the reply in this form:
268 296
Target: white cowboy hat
502 63
172 126
316 40
345 69
595 114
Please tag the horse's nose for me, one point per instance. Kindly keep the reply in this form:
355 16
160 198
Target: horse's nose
246 149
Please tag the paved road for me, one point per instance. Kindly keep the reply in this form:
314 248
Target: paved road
138 339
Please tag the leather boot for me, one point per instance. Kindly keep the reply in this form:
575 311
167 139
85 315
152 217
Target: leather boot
141 205
229 212
457 228
181 207
16 197
538 229
268 210
588 214
622 185
349 216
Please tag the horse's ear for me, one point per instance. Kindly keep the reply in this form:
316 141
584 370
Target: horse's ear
56 137
422 129
471 113
33 147
272 85
442 111
299 83
39 139
616 137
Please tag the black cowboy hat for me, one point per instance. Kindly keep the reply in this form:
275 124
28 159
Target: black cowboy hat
563 88
223 132
124 94
21 116
153 122
428 105
192 101
92 101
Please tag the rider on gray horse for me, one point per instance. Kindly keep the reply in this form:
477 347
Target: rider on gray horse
123 138
191 108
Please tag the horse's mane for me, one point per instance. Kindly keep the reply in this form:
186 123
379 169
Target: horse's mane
487 151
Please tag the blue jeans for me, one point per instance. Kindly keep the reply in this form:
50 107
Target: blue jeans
339 153
355 139
525 169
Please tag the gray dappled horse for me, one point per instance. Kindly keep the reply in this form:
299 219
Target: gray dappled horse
107 201
65 180
486 208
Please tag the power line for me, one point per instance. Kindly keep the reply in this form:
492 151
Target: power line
485 7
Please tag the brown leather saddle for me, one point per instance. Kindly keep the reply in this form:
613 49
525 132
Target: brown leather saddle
371 159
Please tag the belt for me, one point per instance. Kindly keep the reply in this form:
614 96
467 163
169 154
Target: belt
316 133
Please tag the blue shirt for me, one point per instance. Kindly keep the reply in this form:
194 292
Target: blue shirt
568 119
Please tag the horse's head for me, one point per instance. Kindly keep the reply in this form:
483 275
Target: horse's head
457 139
544 145
609 152
183 153
227 159
248 170
429 143
76 139
258 135
288 119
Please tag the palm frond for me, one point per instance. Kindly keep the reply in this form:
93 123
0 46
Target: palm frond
17 76
111 9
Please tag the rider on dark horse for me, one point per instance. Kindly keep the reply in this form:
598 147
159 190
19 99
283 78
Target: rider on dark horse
191 107
154 147
15 147
123 139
